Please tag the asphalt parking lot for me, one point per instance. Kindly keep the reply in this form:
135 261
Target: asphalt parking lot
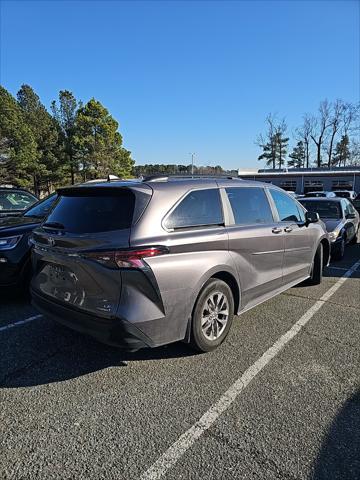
72 408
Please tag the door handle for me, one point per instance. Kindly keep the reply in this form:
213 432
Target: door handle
276 230
288 229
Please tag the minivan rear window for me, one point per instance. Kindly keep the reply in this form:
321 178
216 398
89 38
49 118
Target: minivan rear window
93 213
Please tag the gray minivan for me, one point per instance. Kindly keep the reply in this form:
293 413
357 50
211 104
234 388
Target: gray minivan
143 264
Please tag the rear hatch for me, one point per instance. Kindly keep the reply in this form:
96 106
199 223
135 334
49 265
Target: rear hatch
73 249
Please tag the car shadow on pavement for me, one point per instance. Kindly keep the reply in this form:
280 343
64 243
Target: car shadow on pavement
337 268
339 457
9 295
56 353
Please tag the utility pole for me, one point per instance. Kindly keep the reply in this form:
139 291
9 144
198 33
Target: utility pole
192 162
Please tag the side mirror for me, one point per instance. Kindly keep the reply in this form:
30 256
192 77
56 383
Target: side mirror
350 215
311 217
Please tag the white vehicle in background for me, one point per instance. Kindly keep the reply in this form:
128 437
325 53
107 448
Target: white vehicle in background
320 194
350 194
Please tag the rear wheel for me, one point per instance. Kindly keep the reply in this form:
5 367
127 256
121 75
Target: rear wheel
317 267
212 316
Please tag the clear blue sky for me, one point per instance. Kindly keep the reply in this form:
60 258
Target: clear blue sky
189 76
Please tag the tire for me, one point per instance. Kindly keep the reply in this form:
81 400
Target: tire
214 293
340 251
317 267
24 284
355 238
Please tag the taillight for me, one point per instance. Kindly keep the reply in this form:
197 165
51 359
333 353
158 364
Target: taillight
126 258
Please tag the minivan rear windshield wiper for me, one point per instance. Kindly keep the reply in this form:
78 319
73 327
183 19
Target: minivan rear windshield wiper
55 225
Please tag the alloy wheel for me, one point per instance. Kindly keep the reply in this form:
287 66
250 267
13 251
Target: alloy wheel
215 315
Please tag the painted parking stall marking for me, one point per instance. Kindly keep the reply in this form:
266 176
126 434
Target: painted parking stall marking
20 322
344 269
187 439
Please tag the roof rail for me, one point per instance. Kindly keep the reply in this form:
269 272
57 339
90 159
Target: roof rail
155 178
208 175
164 178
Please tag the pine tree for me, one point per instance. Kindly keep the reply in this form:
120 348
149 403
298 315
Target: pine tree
268 153
281 144
274 151
342 152
275 146
17 146
65 115
298 156
99 143
47 167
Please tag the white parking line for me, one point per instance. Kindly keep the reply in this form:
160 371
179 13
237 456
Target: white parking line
20 322
187 439
344 269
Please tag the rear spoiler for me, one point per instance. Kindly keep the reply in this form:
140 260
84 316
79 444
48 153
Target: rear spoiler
93 189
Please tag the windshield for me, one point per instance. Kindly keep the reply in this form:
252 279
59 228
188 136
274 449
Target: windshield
42 208
16 200
323 208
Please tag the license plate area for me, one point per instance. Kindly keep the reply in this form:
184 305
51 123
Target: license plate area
59 274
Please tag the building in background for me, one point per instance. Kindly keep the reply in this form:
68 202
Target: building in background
302 180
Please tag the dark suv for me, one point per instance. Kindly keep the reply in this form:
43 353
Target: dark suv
149 263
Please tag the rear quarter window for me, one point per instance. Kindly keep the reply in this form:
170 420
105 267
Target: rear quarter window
94 212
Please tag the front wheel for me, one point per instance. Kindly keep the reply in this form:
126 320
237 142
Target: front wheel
355 238
317 267
212 316
340 251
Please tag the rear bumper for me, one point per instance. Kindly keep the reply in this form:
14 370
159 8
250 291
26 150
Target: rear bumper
115 331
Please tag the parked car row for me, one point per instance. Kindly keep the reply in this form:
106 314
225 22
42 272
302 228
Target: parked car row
349 194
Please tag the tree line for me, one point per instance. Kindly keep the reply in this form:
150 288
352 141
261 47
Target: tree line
330 138
71 143
180 169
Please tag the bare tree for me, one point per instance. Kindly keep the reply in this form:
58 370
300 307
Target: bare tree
355 153
336 117
303 134
350 118
348 125
266 142
319 126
